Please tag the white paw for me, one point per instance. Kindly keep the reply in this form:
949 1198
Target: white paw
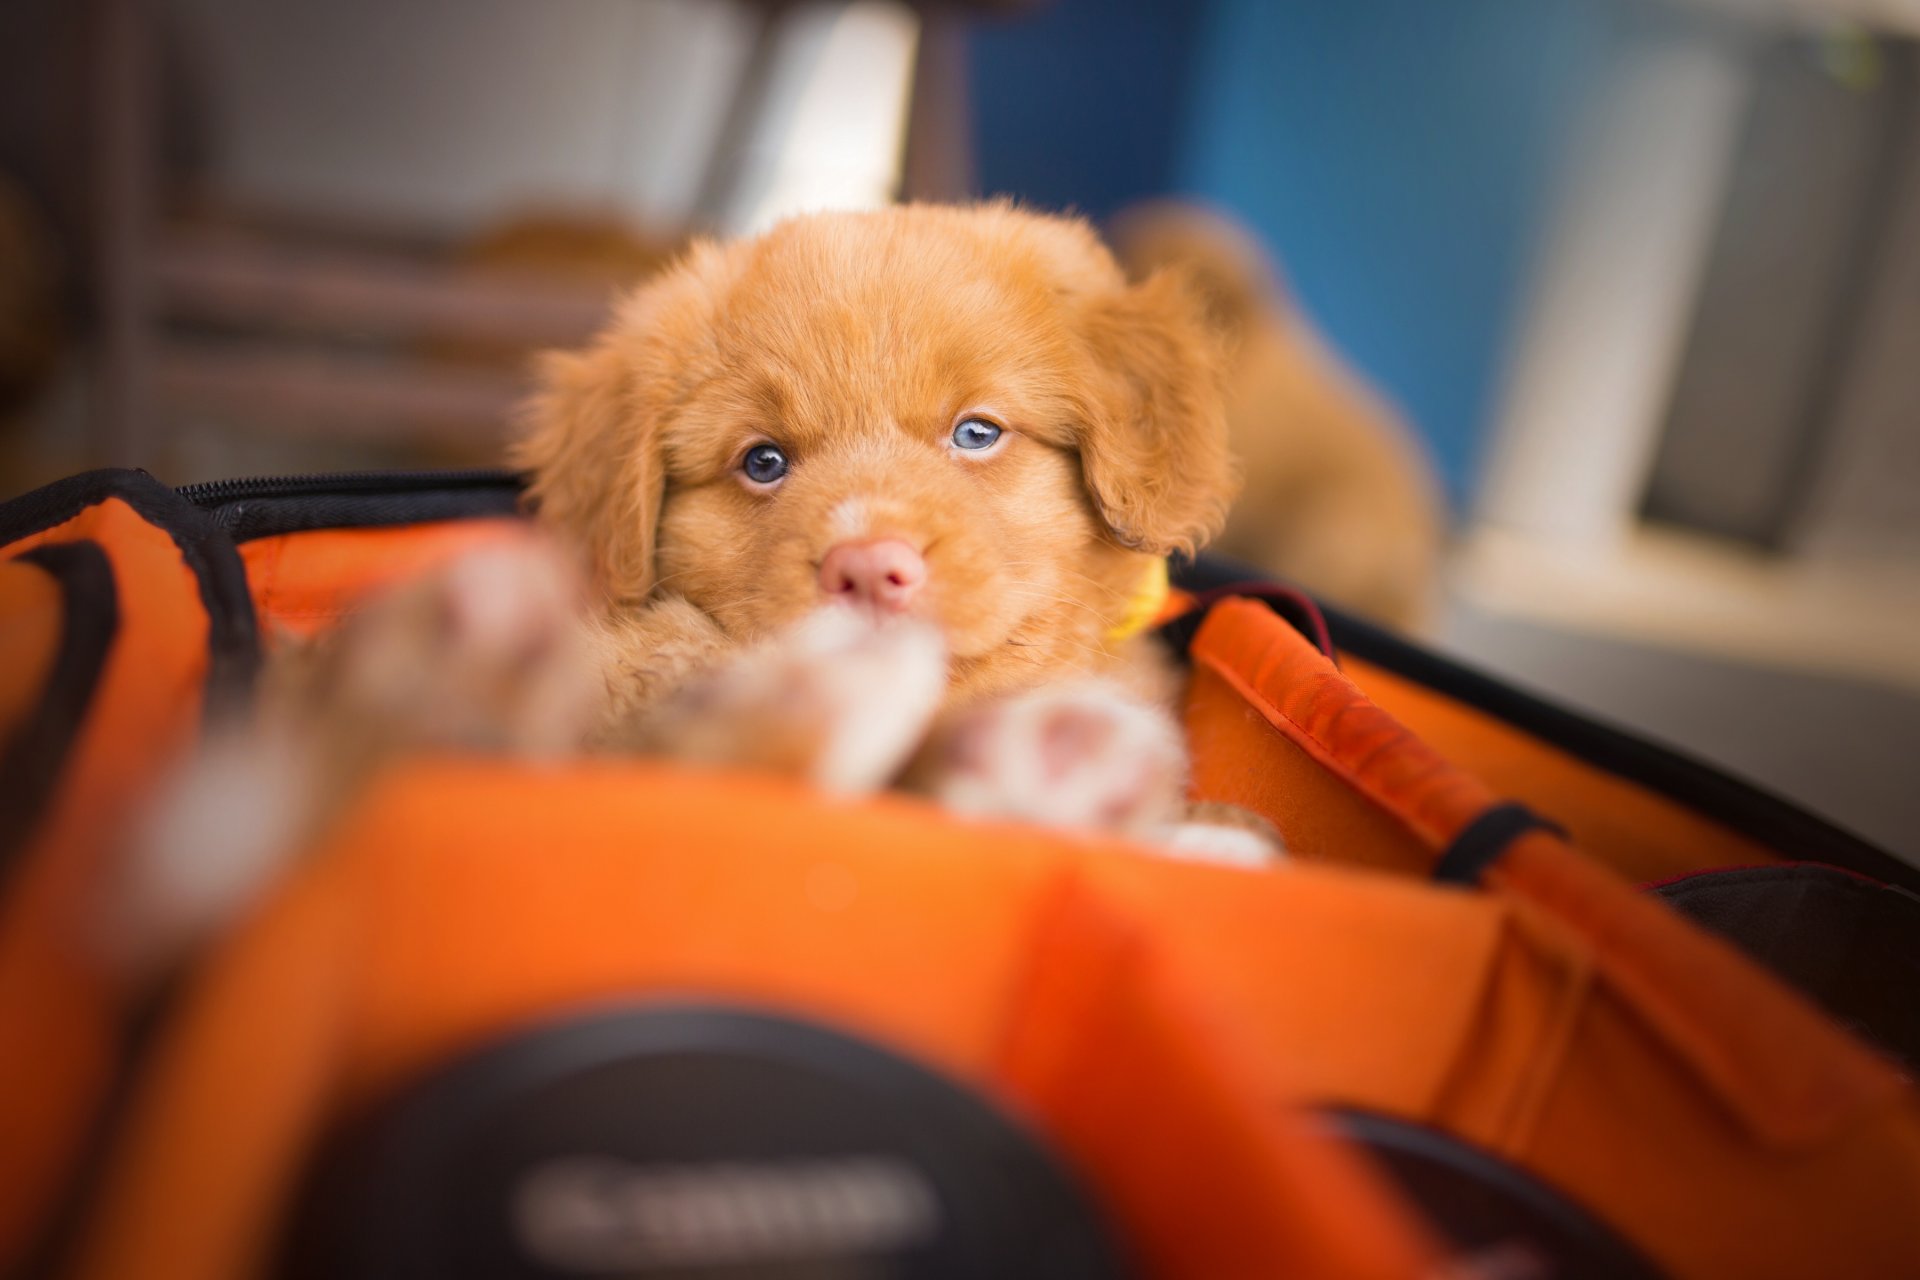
839 699
225 825
1224 846
877 686
1082 755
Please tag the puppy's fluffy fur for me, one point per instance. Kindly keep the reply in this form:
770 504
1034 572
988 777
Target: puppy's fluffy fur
1339 496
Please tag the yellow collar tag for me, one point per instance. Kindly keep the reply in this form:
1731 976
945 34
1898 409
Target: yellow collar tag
1143 608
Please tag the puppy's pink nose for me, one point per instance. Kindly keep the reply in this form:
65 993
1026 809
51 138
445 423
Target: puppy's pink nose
883 575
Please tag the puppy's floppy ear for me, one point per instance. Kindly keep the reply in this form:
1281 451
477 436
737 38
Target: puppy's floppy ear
1153 435
593 437
592 453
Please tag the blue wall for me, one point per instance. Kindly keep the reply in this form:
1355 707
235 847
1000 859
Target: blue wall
1082 105
1398 155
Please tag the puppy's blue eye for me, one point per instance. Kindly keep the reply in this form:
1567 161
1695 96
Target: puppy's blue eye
764 463
975 433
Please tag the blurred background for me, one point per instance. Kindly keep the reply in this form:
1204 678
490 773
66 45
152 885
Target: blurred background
1640 277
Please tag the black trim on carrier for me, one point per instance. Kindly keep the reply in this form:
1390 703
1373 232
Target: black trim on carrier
266 506
32 760
233 642
1774 822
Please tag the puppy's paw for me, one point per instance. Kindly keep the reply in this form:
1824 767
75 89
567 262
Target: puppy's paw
221 828
1083 756
487 654
878 686
839 699
1223 834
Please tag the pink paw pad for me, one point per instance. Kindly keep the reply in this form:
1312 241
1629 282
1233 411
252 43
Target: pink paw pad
1086 756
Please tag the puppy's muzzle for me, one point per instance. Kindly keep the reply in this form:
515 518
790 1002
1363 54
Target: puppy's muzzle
884 575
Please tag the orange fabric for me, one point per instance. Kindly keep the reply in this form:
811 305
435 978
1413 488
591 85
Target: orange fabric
1012 959
52 997
1748 1076
1151 1018
302 583
1297 691
1639 833
1566 1075
1782 1070
1239 760
197 1186
1658 1160
1359 988
1292 686
30 613
1132 1066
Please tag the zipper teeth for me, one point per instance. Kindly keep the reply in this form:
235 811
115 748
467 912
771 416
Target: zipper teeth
215 492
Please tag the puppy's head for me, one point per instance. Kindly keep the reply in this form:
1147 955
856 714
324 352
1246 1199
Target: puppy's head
965 414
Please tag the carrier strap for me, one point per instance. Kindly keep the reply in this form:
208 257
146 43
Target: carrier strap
1488 836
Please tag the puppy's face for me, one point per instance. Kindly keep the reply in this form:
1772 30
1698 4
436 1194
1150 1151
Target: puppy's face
960 414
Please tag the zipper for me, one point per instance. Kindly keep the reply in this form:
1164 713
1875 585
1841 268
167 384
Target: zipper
214 493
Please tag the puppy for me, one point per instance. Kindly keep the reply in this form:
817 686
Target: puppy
1339 496
962 417
876 498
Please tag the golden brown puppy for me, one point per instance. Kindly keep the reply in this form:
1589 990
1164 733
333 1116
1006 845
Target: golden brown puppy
1339 496
874 498
964 417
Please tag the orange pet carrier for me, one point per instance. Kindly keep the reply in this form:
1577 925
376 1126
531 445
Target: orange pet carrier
1531 998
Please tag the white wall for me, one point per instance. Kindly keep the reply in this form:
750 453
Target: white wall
1600 337
1866 500
450 111
447 113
